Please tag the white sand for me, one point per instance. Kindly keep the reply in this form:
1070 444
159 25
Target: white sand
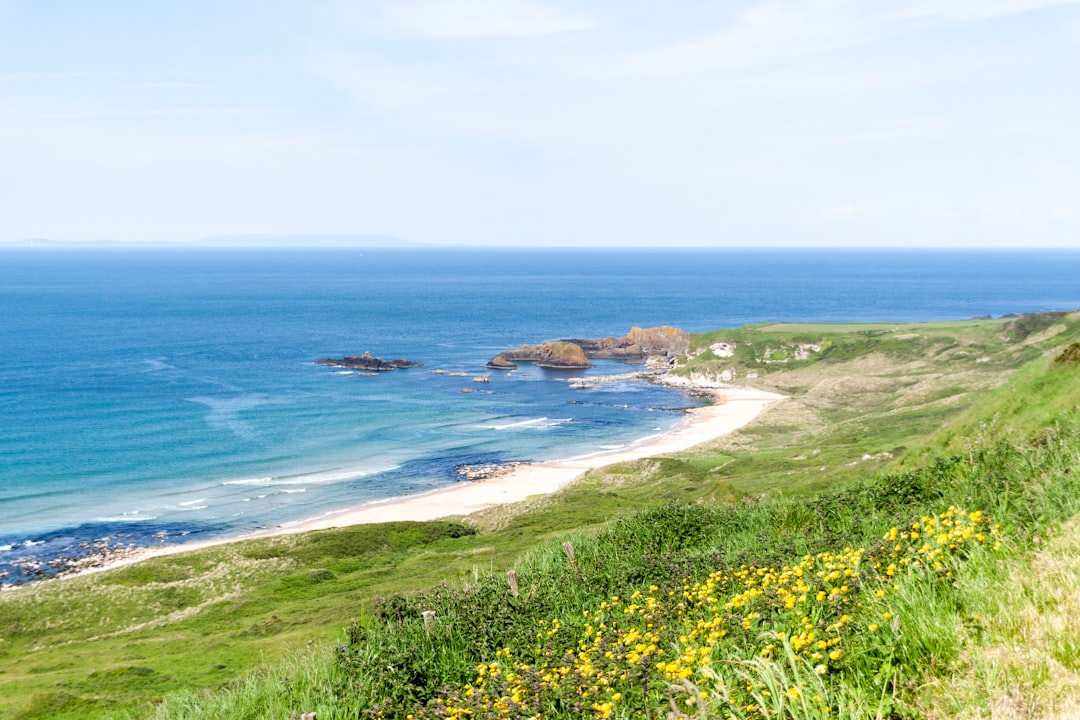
735 407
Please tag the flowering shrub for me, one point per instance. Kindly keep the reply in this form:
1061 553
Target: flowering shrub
743 642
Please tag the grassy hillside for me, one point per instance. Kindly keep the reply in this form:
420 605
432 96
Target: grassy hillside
910 594
807 478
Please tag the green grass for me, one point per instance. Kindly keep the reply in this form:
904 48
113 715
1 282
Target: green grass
1039 392
116 644
1018 655
899 645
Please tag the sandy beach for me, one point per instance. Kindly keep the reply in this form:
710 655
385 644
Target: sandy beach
733 408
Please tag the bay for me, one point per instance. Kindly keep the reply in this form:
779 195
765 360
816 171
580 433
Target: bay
165 395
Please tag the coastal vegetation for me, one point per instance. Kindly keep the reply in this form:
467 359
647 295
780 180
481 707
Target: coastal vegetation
896 539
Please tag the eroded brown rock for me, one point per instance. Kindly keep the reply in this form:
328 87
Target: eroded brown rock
638 345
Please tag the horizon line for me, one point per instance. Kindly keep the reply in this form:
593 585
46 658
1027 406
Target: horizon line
59 245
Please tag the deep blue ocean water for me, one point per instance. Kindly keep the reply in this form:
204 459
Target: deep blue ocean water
172 394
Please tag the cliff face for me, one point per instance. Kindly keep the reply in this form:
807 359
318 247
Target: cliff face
637 346
556 354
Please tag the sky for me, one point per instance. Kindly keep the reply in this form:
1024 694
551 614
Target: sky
900 123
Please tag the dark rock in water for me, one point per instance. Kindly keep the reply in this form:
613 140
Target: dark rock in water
558 354
367 361
983 317
499 362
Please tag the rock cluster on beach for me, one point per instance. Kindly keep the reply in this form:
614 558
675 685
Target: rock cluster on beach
485 471
86 555
367 361
637 346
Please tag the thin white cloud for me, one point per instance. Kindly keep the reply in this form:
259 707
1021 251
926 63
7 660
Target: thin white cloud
770 33
393 88
896 131
777 32
62 76
466 19
171 112
847 212
969 10
814 121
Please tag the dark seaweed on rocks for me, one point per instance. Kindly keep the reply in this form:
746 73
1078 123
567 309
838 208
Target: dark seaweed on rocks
92 545
367 361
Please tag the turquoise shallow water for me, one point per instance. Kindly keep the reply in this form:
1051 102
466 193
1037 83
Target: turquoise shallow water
173 394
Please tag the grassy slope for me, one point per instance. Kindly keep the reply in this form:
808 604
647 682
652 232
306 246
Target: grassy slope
100 645
872 389
940 654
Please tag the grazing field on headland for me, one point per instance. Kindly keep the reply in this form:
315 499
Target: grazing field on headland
892 540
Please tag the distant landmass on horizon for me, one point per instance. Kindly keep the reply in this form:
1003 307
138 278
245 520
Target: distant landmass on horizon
253 240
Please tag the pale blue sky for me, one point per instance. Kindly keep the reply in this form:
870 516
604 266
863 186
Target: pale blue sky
536 122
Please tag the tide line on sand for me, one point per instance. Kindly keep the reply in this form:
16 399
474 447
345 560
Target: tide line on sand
734 408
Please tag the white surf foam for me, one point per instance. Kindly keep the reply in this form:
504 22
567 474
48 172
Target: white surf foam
521 423
319 477
250 481
128 518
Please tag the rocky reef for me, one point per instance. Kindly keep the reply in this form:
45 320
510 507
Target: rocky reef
486 471
637 346
367 361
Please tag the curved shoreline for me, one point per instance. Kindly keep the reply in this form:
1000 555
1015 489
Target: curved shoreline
734 408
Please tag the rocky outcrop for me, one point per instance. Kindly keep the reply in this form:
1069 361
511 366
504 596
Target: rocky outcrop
499 362
486 471
367 361
557 354
1069 356
639 345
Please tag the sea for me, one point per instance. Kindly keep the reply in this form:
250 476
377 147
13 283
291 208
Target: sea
167 395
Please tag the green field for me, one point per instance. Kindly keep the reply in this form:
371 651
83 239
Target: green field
884 425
